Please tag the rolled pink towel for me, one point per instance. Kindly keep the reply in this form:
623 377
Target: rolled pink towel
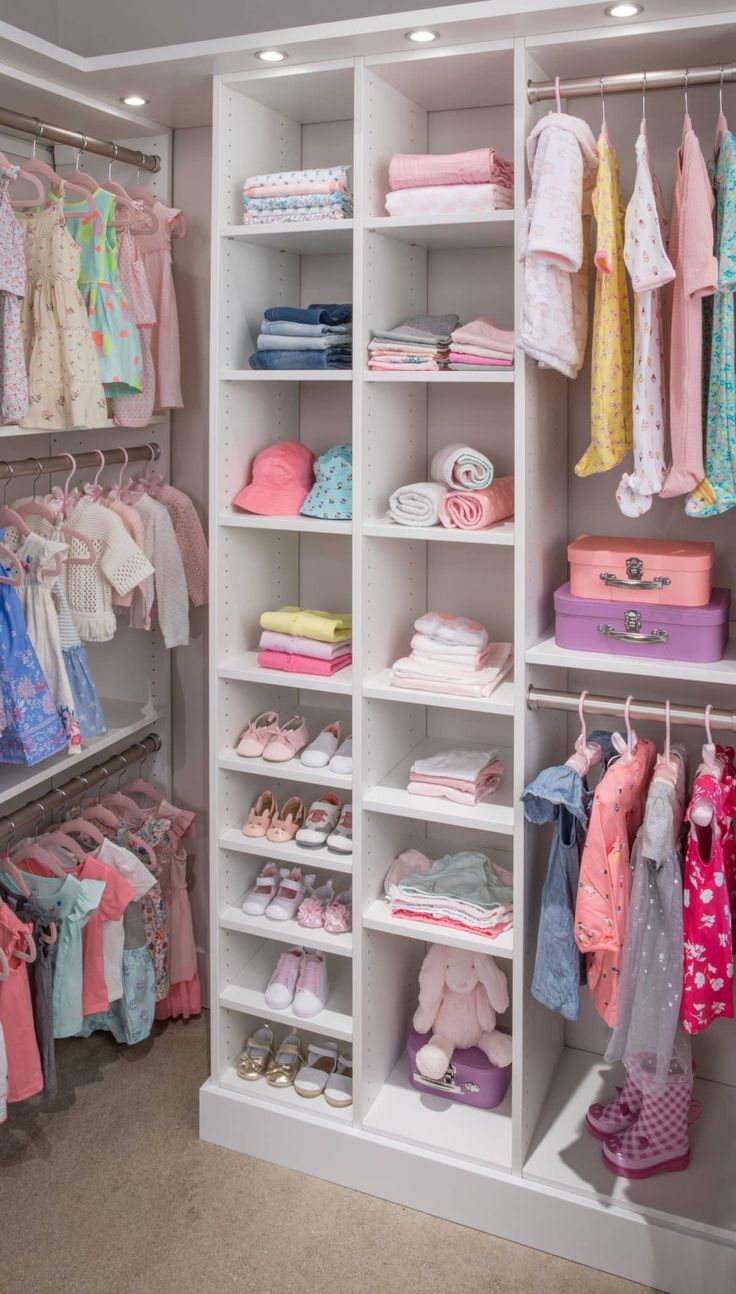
478 509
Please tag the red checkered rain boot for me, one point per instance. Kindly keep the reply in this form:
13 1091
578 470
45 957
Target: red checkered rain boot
616 1115
658 1142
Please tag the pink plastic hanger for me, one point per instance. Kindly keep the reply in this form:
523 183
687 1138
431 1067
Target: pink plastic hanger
626 748
144 221
94 491
587 754
139 787
80 177
557 94
10 558
22 204
58 185
82 827
38 508
8 516
14 872
30 849
94 811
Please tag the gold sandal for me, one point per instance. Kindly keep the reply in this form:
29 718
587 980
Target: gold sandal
286 1062
256 1054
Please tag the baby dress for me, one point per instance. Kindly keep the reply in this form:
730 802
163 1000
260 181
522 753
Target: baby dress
64 385
32 728
25 1076
111 323
155 249
136 410
87 706
37 602
13 379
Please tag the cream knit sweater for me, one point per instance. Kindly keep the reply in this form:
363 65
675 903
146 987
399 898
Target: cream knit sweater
120 565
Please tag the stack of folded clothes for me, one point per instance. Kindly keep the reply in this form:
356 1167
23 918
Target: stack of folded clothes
462 494
452 655
481 344
465 891
291 197
463 776
300 641
420 342
318 336
455 184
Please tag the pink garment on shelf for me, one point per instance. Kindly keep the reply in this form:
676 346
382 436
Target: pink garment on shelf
431 649
155 248
136 410
411 860
296 663
696 275
491 772
291 643
482 361
477 166
446 792
484 331
491 932
450 200
190 537
478 509
294 190
385 365
431 667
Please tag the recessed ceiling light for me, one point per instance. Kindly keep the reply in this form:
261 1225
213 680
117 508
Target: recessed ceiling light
624 10
422 36
271 55
135 101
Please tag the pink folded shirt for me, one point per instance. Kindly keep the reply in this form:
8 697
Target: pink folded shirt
491 932
484 331
478 509
450 793
293 644
477 166
295 663
483 361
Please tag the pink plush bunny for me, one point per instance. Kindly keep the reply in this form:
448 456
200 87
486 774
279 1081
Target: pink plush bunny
460 994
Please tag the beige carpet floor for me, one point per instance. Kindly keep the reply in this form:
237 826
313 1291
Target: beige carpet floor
109 1189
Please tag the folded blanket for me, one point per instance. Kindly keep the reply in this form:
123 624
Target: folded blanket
478 166
281 328
297 202
468 913
296 217
466 877
491 932
428 349
310 179
452 629
271 641
381 365
416 505
333 357
450 200
324 626
484 331
460 783
267 341
465 765
469 361
449 793
476 686
478 509
315 314
430 329
293 663
413 667
462 468
482 352
460 653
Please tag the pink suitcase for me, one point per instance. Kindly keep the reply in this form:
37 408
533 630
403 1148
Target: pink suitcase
660 571
471 1078
692 634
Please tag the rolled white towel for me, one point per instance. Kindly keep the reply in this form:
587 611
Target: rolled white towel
418 504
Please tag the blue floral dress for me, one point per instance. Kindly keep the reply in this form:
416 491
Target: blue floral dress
31 727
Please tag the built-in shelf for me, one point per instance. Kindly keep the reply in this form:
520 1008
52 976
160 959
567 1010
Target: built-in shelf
496 229
292 770
289 375
378 917
314 237
296 855
384 528
246 992
440 375
546 652
285 1099
380 688
289 932
390 795
245 668
299 525
12 429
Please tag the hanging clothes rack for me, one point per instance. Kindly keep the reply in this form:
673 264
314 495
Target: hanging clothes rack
75 139
672 79
35 811
60 462
691 716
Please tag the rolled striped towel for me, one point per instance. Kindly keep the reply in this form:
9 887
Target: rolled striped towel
462 468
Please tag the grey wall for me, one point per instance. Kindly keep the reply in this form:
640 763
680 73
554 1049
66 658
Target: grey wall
41 17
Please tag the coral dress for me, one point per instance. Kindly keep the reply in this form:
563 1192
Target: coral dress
184 997
63 376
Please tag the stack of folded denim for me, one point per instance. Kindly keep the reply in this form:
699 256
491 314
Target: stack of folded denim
465 891
420 342
455 184
319 336
293 197
482 344
463 776
297 640
463 662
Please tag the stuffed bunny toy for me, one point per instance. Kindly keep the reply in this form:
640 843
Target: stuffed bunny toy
460 994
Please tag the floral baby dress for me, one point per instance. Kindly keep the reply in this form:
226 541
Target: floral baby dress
111 323
37 602
32 728
13 379
63 377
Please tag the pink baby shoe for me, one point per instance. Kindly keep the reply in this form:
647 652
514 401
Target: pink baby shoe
339 915
256 736
311 989
312 910
283 982
287 741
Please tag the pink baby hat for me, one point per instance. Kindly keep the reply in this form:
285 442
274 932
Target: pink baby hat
283 475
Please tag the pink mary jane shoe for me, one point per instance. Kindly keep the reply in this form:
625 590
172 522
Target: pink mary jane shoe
287 741
257 735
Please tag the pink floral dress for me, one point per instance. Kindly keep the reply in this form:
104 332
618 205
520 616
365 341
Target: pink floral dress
13 380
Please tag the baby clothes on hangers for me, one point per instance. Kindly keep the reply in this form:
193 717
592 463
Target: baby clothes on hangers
650 269
611 358
120 564
190 537
13 377
155 248
696 275
40 979
168 578
24 1074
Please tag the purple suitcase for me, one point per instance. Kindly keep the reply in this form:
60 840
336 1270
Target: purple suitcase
691 634
471 1078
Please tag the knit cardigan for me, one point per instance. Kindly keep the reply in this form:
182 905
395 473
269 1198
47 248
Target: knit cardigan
190 538
120 564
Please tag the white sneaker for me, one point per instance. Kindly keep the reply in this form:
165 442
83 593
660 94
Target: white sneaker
311 989
322 820
342 760
319 753
341 839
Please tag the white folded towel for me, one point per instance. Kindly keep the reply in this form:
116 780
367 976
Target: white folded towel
418 504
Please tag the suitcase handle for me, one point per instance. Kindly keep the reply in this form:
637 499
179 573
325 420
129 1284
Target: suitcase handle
616 582
627 636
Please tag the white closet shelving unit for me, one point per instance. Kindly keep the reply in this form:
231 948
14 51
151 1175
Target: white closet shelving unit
132 673
526 1170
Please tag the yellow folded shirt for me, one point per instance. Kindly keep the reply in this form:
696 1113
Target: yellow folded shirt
322 626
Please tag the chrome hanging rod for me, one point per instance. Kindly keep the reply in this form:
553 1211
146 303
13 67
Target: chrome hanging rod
61 462
74 139
672 79
690 716
35 811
